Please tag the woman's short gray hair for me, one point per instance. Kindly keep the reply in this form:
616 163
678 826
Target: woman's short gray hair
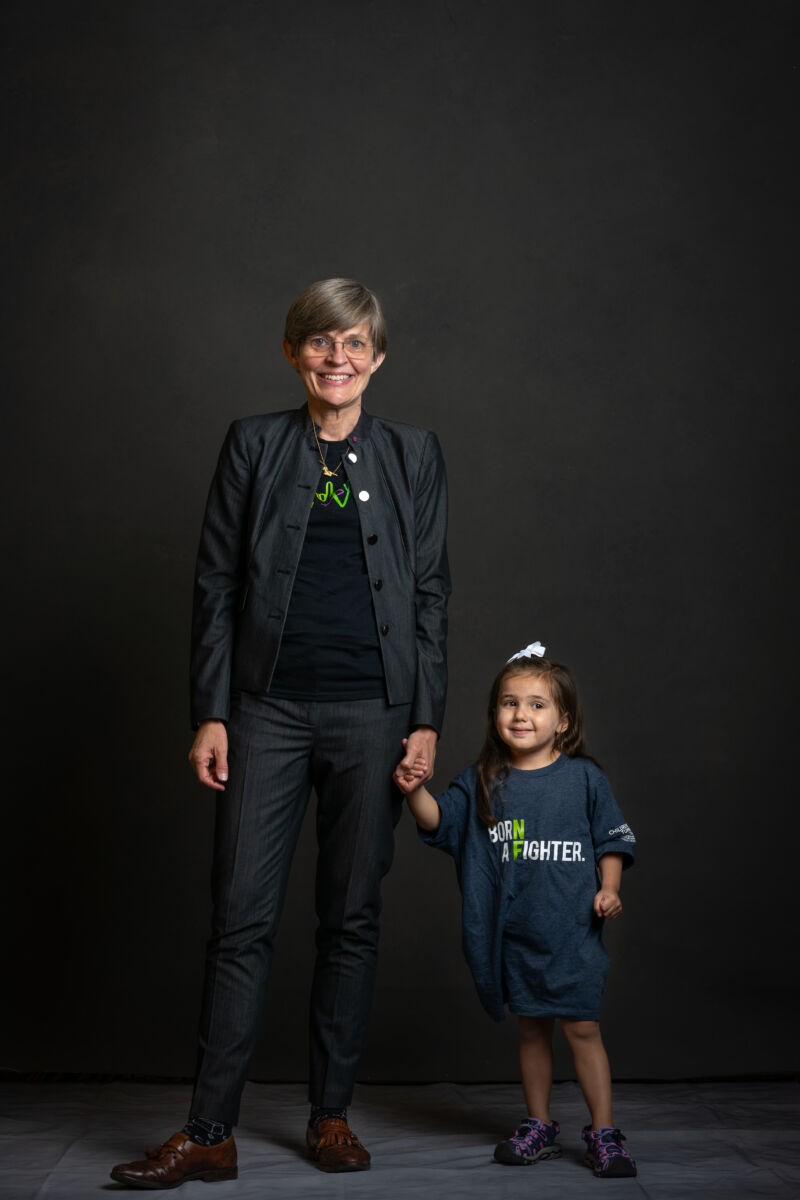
335 304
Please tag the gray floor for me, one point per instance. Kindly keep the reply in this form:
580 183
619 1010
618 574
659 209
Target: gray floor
734 1140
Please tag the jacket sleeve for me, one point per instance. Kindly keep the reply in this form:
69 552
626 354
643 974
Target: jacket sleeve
432 587
219 579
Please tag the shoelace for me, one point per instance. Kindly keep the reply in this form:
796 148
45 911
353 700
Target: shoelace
608 1145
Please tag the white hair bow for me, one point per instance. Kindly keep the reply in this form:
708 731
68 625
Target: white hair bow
535 648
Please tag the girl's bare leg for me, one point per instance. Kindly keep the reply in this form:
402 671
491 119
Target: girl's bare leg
536 1064
591 1068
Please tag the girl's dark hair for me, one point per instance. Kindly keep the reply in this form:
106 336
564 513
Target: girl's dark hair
494 758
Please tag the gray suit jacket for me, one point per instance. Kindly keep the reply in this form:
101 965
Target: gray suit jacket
252 538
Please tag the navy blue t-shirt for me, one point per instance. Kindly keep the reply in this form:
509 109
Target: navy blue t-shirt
530 934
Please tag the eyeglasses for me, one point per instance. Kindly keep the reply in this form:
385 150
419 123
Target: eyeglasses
353 347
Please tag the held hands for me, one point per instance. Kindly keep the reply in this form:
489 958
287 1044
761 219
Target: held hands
416 765
410 775
409 778
209 755
607 904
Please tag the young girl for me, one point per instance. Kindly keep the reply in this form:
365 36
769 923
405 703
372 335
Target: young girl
531 826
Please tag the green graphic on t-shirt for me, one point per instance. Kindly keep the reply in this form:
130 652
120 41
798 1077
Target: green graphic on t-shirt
340 494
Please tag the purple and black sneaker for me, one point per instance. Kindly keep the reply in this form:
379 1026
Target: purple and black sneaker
605 1153
532 1142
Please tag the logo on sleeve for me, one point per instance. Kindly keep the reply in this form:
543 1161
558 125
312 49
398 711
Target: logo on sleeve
623 832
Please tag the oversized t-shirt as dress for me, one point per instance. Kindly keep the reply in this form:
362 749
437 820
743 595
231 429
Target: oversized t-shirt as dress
530 934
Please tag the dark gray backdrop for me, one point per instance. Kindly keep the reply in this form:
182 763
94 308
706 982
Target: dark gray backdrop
579 218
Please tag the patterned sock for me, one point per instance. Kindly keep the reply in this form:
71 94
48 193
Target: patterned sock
206 1133
321 1112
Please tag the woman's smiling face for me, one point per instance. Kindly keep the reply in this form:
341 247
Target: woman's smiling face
333 378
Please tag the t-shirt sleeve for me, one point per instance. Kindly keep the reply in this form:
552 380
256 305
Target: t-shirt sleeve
611 833
455 805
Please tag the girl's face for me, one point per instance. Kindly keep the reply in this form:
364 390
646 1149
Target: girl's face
528 720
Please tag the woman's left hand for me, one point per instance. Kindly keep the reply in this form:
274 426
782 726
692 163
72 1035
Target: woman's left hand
420 744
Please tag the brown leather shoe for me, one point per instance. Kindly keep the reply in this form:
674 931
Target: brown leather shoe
179 1159
334 1147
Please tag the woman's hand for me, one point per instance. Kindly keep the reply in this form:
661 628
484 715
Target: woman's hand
209 755
410 778
420 744
425 810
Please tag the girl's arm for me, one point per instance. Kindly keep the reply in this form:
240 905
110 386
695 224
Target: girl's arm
607 902
425 810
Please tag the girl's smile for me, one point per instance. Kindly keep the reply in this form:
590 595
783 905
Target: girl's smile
528 720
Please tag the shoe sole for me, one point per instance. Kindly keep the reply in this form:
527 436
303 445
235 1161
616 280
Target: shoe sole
336 1169
620 1168
215 1176
508 1158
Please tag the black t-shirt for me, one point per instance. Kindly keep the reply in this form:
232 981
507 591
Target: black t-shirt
330 649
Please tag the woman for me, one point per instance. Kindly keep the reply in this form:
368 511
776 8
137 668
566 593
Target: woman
318 646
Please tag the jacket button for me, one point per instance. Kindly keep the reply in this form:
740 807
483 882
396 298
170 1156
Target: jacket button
372 539
378 584
384 628
363 495
352 457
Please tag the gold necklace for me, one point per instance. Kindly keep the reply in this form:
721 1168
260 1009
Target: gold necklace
325 468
